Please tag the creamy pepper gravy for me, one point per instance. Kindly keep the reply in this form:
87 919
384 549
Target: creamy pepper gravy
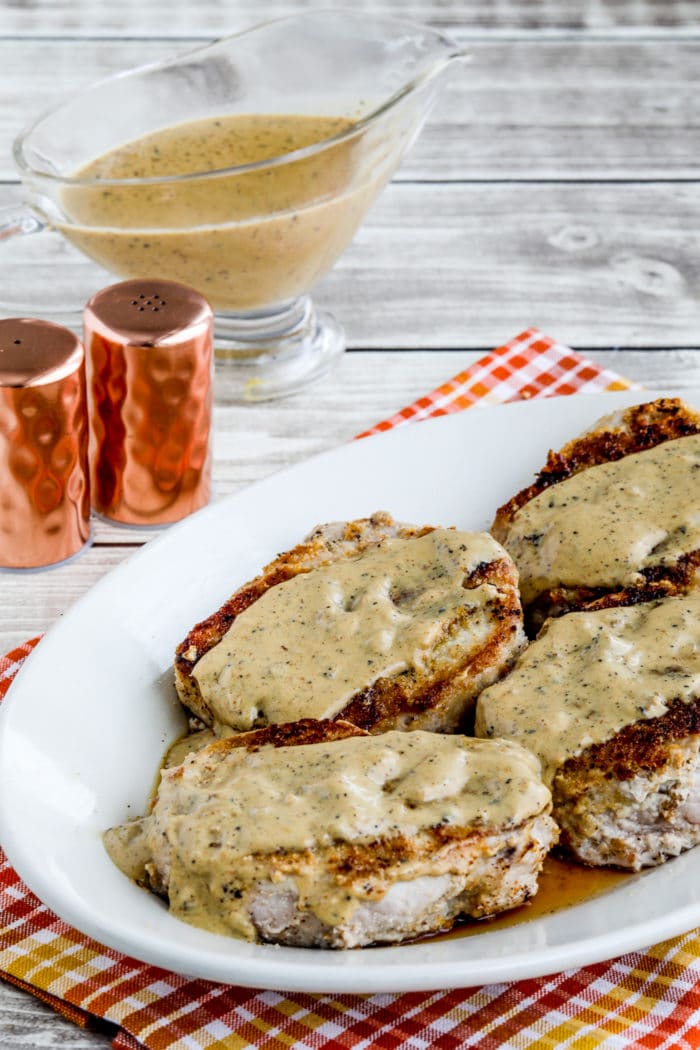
591 674
243 240
602 526
220 816
308 645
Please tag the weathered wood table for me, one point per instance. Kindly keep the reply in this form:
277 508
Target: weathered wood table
557 184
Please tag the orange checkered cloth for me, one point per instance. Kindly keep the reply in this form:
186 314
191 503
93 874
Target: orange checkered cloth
645 999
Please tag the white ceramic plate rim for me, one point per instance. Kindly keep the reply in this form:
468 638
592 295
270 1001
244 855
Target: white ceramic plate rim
88 716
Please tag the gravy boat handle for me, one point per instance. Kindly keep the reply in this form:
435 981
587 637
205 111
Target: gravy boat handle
18 221
50 298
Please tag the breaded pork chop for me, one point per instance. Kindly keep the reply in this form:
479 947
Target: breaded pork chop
616 511
609 701
320 835
378 623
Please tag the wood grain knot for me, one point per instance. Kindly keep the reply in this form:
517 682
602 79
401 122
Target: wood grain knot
574 238
652 276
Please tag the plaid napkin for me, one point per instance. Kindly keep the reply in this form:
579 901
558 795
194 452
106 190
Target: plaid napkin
647 1000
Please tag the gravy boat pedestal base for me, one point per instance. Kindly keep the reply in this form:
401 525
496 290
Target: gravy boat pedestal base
260 355
270 354
243 169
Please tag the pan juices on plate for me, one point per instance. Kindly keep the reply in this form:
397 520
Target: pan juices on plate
329 826
317 834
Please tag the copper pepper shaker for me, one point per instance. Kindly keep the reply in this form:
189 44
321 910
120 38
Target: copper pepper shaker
44 497
149 367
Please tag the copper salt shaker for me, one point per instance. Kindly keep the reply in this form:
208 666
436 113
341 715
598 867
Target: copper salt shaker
149 367
44 497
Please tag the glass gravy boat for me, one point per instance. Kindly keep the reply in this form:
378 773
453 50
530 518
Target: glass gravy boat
133 172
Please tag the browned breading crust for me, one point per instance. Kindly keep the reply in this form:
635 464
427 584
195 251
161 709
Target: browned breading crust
641 427
641 746
624 802
497 867
396 701
314 551
289 734
661 581
376 865
434 702
637 429
369 869
284 734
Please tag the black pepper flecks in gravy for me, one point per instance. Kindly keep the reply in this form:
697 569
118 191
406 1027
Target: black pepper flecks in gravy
243 239
600 527
227 817
589 674
308 645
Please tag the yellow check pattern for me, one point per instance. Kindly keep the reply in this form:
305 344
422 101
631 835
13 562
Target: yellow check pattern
647 1000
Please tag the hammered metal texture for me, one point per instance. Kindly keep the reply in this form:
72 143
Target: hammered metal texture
44 496
150 417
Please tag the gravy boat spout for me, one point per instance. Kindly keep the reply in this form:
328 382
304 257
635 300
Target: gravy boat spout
242 169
